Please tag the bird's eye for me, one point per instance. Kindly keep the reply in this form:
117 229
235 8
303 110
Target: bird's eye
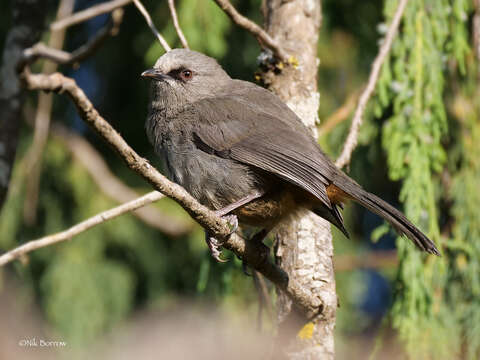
186 74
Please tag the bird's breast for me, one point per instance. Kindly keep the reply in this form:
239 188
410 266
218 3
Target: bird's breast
215 182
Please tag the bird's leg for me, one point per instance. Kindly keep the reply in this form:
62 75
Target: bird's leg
213 244
238 203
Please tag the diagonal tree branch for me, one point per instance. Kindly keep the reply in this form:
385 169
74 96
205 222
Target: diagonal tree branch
476 34
89 13
79 228
340 115
61 57
262 36
352 138
150 23
370 260
176 24
42 119
113 187
107 7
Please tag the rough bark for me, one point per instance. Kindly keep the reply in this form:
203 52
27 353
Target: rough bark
27 24
304 244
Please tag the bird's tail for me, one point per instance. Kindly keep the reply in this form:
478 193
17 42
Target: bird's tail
387 212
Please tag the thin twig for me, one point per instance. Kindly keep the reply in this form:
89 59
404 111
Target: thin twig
372 260
89 13
476 35
79 228
340 115
352 137
113 187
176 24
34 156
40 50
262 36
150 23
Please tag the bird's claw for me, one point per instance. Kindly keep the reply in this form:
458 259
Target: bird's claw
232 222
214 245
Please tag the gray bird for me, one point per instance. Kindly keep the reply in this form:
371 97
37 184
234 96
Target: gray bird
239 150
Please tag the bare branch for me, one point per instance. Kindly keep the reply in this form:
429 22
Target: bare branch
40 50
372 260
476 34
42 119
176 24
340 115
150 23
79 228
262 36
102 9
89 13
352 137
42 124
113 187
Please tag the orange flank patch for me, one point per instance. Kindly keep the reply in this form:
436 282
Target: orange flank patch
336 195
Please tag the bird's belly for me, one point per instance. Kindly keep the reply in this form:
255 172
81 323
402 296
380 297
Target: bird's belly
215 182
269 210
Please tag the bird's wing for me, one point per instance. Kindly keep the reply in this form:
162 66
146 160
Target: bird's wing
231 127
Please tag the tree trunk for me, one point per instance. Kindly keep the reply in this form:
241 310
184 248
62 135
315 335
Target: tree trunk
304 244
28 19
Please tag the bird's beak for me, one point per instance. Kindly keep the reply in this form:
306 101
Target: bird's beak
154 74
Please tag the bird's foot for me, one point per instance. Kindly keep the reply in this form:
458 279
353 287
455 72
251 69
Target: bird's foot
232 222
214 245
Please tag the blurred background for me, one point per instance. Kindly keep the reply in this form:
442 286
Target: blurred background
147 282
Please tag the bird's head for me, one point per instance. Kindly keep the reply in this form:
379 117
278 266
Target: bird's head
187 75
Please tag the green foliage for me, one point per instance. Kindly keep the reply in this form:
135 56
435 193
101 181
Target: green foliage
88 285
195 15
412 87
102 293
464 248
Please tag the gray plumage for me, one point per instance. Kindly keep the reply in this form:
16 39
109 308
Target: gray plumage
223 139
